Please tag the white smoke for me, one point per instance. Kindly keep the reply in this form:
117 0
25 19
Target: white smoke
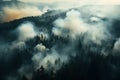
74 25
40 48
116 47
49 60
26 31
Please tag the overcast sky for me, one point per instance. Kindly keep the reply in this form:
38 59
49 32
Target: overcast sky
111 2
80 1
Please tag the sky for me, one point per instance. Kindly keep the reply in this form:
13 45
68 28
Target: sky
72 1
80 1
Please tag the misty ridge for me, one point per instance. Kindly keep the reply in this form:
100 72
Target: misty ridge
74 44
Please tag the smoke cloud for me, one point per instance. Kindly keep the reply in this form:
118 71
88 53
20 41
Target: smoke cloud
26 31
51 42
73 25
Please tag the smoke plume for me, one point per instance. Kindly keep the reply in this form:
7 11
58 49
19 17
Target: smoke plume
84 36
